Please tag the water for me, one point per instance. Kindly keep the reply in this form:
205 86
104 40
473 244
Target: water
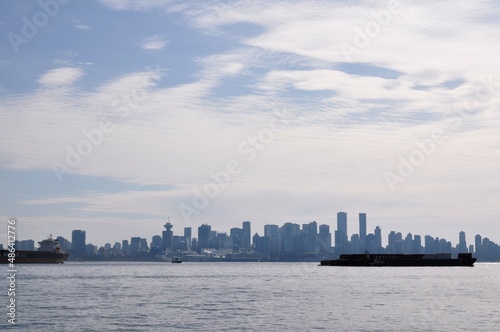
253 297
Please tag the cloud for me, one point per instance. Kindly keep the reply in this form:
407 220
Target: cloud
156 42
77 23
61 76
348 121
135 4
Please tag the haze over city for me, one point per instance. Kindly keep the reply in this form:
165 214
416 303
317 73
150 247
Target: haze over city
116 116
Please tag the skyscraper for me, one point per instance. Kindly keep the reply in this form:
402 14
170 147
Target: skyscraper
187 236
78 243
204 232
362 231
378 239
341 234
167 235
462 245
246 235
325 239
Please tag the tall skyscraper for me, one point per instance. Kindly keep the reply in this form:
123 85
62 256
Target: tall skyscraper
378 239
78 243
462 245
246 235
341 234
204 232
477 246
187 236
167 236
325 239
362 231
342 222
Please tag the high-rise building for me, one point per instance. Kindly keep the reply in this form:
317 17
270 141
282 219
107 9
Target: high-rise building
204 232
341 234
135 245
167 235
143 245
28 245
65 244
289 238
417 245
246 235
236 235
125 247
478 246
362 231
462 245
78 243
378 239
325 239
187 236
271 230
156 241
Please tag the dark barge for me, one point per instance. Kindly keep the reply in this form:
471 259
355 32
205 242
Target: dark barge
464 259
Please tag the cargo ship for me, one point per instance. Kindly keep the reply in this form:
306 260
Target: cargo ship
49 252
463 259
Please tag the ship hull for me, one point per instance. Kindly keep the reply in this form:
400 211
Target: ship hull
33 257
400 260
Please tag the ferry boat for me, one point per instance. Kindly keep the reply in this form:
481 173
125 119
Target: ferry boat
176 260
49 252
464 259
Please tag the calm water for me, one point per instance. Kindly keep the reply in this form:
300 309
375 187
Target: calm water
253 297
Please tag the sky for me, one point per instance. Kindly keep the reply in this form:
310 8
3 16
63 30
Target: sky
118 115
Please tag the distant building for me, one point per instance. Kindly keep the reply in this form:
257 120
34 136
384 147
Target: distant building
462 245
325 240
135 245
64 243
289 234
167 237
362 232
204 232
246 235
90 249
187 236
156 241
28 245
341 238
236 235
125 247
78 245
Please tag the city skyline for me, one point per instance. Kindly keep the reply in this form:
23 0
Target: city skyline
342 226
211 112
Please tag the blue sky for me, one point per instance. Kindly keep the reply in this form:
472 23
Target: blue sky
116 114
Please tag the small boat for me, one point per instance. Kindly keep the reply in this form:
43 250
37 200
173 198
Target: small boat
176 260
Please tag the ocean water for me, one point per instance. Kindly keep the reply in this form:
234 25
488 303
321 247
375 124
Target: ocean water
126 296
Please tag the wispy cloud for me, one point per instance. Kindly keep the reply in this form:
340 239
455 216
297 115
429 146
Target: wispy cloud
154 43
77 23
61 76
